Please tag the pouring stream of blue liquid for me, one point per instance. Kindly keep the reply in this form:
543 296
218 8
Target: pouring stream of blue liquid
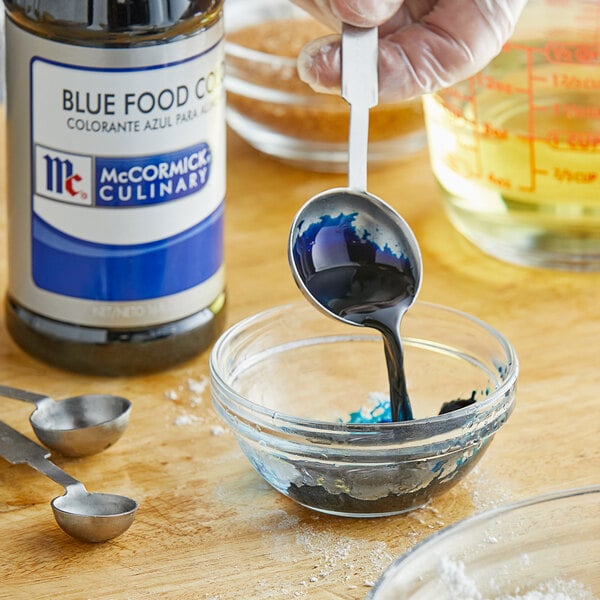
353 277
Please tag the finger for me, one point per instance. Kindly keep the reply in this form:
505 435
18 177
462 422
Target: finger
410 11
318 9
365 13
319 64
449 43
361 13
454 41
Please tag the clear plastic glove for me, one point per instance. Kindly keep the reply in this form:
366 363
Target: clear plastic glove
424 45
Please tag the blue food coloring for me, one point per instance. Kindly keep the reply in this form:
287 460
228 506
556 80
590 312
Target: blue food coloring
380 411
354 277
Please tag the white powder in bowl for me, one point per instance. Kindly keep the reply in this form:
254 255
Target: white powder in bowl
460 585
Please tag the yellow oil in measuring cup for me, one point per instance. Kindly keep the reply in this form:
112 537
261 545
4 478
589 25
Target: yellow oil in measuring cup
516 148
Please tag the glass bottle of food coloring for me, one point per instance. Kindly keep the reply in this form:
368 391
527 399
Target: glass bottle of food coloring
116 181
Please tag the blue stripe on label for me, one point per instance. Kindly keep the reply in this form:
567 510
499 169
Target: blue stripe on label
143 180
66 265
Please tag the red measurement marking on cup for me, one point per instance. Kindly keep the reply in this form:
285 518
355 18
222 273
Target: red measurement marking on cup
491 132
462 103
492 84
533 170
476 138
571 110
575 176
568 81
564 53
582 141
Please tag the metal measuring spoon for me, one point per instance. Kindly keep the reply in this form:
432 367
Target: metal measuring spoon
78 426
86 516
351 254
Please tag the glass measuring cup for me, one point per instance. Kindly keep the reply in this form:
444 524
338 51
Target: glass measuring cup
516 148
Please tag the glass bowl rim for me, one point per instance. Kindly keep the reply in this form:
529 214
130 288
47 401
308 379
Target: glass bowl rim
439 424
465 524
250 54
274 61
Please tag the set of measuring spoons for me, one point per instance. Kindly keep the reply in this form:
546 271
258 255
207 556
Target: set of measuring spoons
75 427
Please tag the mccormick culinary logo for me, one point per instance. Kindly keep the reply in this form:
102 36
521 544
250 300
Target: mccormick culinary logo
143 180
62 176
121 182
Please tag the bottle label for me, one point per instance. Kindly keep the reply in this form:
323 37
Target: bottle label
121 222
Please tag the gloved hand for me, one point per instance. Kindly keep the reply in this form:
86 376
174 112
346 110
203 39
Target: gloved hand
424 45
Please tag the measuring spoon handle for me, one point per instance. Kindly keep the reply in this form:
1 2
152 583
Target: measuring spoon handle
25 396
360 84
18 449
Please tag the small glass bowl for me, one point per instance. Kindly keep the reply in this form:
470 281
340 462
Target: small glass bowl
272 109
287 381
526 550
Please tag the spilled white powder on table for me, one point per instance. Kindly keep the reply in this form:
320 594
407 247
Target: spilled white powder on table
487 491
325 559
172 395
185 419
421 516
197 386
342 558
189 395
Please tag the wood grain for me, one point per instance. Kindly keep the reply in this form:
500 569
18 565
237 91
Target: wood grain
208 526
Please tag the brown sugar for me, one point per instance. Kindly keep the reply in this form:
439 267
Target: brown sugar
279 100
281 37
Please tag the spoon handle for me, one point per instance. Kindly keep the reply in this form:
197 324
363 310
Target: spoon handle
18 449
360 84
17 394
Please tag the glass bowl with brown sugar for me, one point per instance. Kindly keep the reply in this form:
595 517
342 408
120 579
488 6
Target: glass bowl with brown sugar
278 114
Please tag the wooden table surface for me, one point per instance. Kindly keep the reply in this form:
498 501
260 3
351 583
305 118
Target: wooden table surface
208 527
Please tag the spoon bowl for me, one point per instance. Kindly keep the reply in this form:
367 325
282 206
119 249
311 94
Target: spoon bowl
89 517
78 426
93 517
346 229
81 425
